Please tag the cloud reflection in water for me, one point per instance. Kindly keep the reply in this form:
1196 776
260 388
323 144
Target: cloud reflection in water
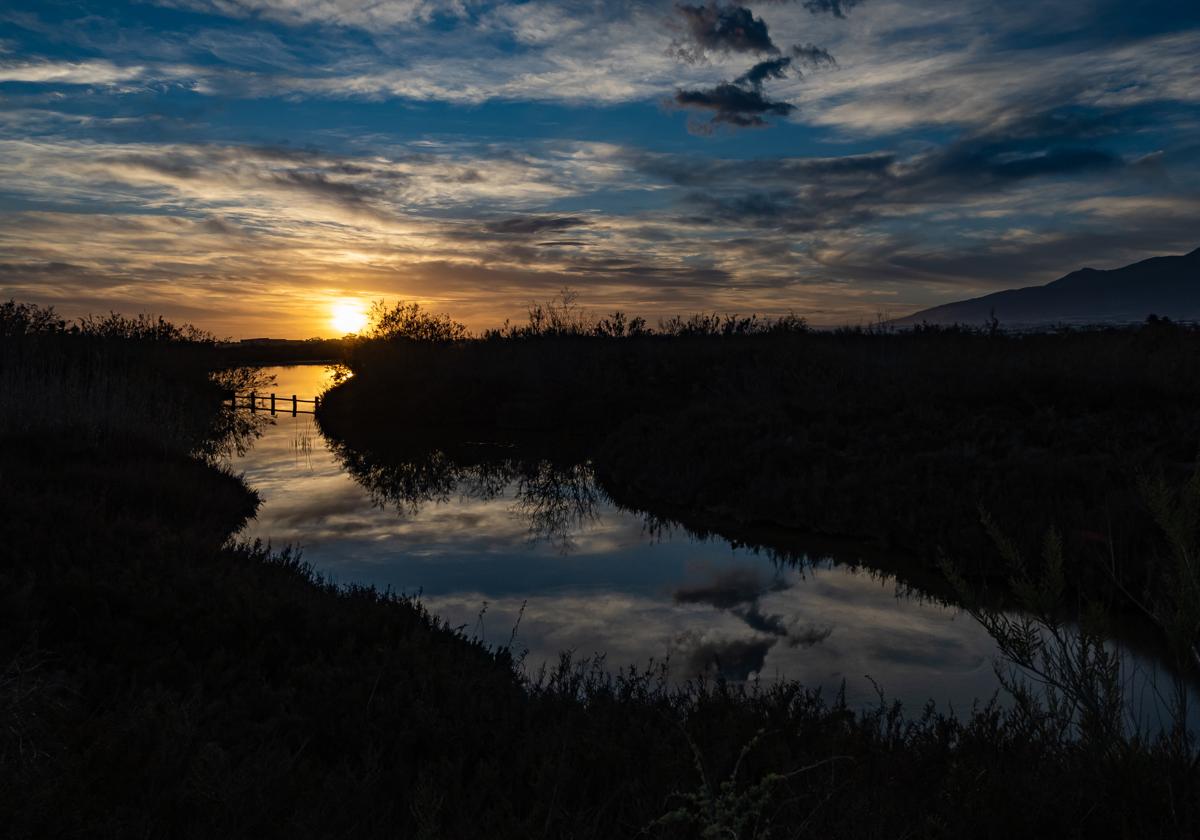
617 589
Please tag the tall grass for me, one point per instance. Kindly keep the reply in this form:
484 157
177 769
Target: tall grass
92 389
104 379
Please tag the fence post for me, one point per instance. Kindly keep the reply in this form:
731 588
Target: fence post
253 401
293 405
272 403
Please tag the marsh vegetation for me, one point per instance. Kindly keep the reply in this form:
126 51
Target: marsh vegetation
162 680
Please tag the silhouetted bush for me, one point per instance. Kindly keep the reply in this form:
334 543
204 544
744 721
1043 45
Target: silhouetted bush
142 327
410 321
19 319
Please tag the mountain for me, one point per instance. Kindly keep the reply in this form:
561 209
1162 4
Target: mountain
1168 286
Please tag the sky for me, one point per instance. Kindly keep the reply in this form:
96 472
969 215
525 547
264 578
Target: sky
250 165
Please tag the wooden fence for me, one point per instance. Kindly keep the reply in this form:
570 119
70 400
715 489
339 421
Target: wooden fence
274 403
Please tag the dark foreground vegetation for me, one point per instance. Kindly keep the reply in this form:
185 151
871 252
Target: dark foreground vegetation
161 681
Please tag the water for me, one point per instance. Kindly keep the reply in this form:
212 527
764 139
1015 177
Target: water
599 581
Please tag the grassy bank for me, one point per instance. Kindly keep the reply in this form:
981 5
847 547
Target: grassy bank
160 682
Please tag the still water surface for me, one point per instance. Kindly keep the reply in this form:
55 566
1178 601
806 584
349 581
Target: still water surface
610 585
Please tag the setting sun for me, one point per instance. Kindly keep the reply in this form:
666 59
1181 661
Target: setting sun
348 316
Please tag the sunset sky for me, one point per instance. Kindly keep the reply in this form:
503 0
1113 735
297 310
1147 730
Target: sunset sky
250 165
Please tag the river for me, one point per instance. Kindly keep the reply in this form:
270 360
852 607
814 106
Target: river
613 582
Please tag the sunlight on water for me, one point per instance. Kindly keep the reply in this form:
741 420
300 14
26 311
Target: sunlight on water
609 585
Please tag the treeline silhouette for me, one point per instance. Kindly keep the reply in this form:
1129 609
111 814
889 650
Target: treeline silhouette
160 681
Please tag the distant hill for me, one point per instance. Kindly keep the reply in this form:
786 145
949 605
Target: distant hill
1168 286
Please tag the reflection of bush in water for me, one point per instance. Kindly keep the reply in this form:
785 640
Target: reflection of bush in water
555 499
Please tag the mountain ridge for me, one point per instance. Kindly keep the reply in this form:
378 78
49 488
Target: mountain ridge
1164 285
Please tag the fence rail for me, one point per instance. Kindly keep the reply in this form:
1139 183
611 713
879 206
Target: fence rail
274 403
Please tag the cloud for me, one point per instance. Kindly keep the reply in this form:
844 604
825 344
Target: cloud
718 28
756 619
742 103
68 72
811 194
837 8
809 635
733 659
771 69
812 56
734 105
533 225
379 15
729 588
1038 147
974 81
739 591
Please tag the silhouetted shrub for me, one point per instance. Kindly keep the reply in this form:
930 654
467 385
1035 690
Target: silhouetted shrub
142 327
409 321
18 319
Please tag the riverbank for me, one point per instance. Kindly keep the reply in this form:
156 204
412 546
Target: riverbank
161 682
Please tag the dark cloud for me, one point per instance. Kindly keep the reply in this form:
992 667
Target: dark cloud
705 172
733 659
775 625
734 105
742 103
756 619
729 588
720 28
801 195
1056 162
775 68
531 225
274 168
811 55
768 205
596 271
987 163
739 591
319 184
837 8
808 636
802 210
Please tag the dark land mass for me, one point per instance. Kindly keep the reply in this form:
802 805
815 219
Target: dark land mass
1163 286
161 681
281 351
